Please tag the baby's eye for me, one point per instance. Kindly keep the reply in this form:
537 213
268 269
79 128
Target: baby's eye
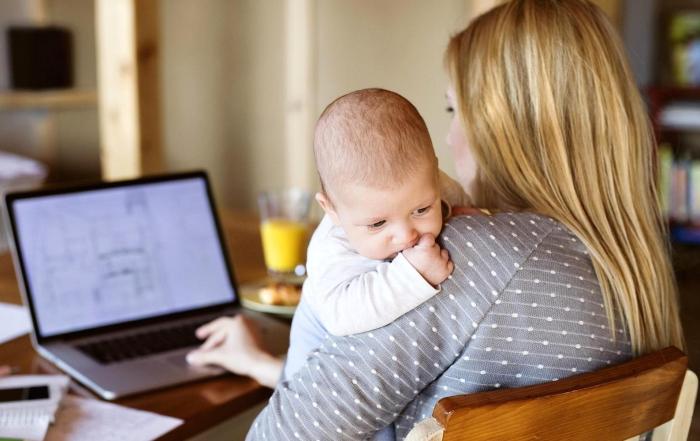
423 210
449 109
376 225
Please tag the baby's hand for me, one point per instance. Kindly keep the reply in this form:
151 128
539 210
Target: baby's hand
431 261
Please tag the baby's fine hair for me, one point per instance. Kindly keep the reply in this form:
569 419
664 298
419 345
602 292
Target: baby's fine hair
372 137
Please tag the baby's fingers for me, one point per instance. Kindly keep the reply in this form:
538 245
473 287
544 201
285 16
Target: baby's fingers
444 254
426 241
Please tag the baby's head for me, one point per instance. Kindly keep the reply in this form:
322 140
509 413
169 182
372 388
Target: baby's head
378 171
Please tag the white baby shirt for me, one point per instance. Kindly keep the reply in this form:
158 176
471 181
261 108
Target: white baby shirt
350 293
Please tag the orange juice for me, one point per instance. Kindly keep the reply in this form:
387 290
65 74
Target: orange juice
284 244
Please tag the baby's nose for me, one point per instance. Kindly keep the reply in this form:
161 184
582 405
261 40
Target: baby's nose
407 237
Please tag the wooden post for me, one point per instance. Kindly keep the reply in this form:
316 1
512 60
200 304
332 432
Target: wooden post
300 111
129 104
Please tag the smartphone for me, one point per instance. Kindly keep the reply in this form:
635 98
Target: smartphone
24 393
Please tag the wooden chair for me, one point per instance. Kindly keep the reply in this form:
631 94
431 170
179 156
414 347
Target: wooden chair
616 403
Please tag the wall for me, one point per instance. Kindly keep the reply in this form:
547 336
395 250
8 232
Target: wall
394 45
71 135
640 19
223 78
223 89
223 82
76 132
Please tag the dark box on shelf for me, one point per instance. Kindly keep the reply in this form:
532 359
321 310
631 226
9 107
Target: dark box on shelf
40 57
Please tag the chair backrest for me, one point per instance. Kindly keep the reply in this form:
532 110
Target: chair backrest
615 403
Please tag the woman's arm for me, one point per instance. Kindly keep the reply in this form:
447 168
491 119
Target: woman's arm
353 386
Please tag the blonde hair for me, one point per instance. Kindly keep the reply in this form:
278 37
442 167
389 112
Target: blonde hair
372 136
557 126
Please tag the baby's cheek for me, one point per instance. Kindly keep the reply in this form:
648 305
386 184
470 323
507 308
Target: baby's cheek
373 249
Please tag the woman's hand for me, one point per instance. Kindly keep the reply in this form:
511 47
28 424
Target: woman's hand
234 344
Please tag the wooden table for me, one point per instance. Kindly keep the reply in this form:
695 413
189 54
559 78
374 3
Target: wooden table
201 404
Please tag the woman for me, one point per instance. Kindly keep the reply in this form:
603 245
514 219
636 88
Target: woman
571 275
551 105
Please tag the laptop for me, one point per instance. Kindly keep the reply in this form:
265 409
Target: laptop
117 276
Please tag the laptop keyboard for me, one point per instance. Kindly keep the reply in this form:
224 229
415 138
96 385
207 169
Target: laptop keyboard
140 344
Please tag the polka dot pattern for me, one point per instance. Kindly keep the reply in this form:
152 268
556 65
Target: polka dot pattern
523 306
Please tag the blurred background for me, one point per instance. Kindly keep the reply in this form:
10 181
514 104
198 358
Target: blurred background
108 89
234 86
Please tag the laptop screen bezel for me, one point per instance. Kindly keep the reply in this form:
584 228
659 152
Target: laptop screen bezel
25 286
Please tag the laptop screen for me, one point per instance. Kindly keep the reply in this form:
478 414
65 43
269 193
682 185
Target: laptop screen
106 256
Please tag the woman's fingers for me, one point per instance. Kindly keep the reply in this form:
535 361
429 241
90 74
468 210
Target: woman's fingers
201 358
214 339
203 331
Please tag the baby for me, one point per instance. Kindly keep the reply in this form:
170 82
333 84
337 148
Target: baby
374 257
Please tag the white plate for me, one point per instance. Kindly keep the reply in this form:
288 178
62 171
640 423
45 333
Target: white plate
250 298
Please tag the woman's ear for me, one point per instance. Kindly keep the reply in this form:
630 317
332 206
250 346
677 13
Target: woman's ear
327 207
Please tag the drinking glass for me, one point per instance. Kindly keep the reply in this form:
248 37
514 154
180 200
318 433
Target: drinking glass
284 228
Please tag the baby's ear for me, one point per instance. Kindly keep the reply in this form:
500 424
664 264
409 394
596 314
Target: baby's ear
327 207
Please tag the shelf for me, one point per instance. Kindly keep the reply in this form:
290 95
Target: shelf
686 234
674 92
679 116
49 99
671 129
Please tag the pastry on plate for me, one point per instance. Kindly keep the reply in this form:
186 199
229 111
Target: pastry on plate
280 294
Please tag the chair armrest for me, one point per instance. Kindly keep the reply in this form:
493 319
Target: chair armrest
679 426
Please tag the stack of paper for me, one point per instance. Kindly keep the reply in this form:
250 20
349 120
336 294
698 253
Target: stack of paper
64 417
15 321
30 419
84 419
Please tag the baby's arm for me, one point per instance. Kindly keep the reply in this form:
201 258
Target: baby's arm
351 294
431 261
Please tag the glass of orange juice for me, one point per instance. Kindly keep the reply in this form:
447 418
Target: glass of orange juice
284 228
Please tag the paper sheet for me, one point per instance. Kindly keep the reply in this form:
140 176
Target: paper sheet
15 321
83 419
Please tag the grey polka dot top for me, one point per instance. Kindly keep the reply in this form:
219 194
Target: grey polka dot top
523 306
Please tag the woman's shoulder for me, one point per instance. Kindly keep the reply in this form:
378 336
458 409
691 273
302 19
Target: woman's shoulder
510 236
503 226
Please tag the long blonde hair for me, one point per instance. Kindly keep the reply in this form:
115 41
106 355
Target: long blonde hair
557 126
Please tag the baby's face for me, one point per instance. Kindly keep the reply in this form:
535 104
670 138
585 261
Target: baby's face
380 223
